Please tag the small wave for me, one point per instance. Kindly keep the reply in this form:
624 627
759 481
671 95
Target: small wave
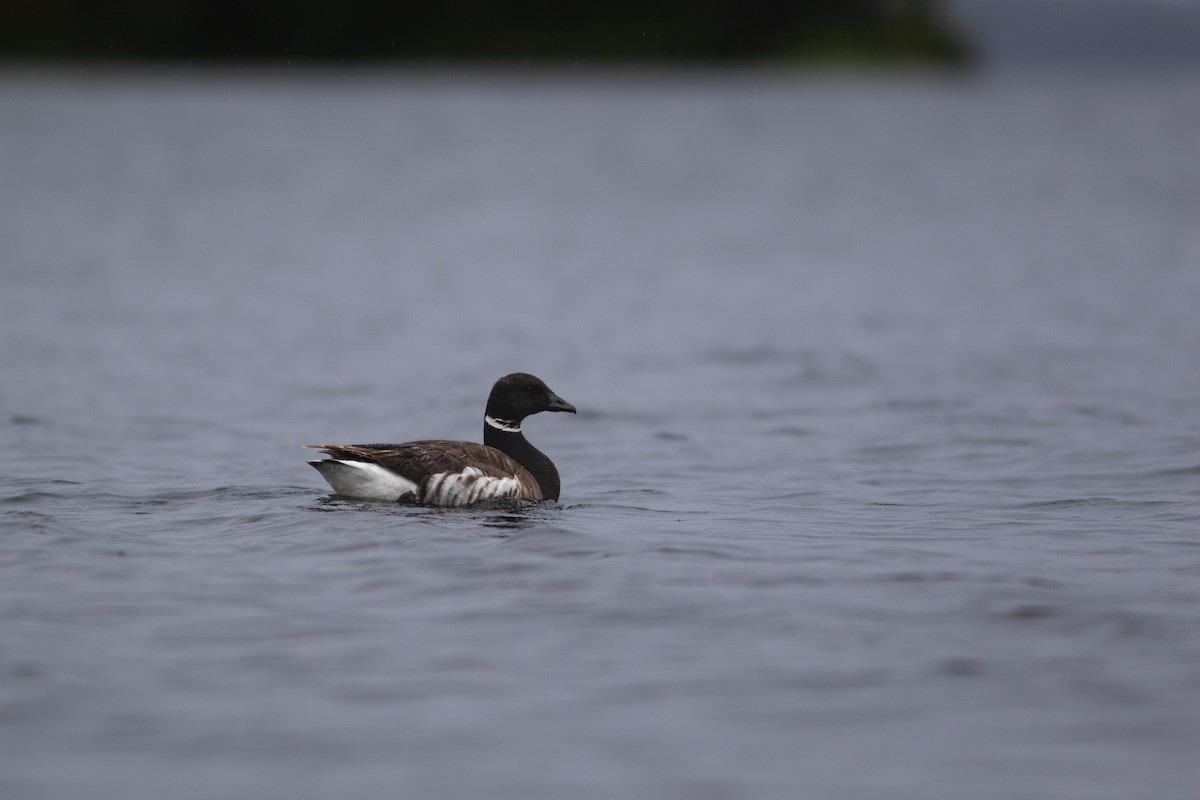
1173 472
558 541
790 430
918 576
709 552
793 367
1108 414
634 489
1088 502
962 666
751 354
1065 502
33 496
42 523
922 403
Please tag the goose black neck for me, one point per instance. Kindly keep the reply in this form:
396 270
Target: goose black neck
515 445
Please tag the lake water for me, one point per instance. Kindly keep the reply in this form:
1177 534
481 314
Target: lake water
885 481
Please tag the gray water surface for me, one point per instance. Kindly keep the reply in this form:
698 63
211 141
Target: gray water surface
885 481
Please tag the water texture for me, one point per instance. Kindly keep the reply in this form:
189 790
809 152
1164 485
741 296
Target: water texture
885 481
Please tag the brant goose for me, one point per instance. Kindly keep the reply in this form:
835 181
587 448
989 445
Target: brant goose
443 473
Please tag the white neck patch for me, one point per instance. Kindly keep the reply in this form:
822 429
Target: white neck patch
502 424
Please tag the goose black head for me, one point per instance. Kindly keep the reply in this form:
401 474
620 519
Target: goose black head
516 396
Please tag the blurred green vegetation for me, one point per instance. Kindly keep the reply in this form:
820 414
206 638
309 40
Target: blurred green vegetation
499 30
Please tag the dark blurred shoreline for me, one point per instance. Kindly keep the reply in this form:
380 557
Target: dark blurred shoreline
717 32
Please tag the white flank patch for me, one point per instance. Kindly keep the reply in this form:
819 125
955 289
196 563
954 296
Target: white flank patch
365 480
502 424
466 487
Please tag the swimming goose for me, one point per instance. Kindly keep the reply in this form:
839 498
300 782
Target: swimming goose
438 472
